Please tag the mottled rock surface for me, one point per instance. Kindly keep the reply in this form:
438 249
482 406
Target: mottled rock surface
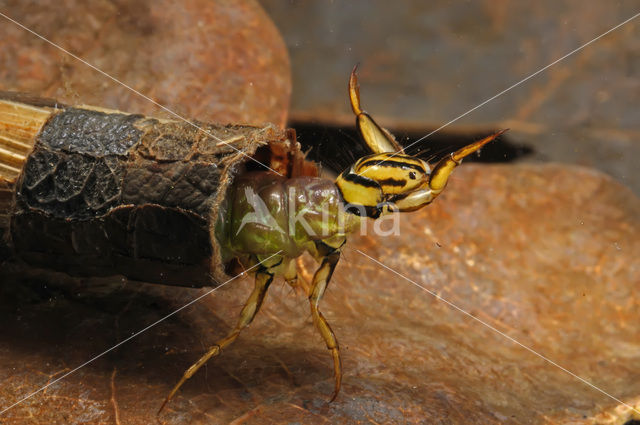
546 255
215 61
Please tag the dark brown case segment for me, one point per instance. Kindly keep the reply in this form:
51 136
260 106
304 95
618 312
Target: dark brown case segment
104 193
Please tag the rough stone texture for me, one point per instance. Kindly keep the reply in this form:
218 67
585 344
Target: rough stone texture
546 254
425 63
216 61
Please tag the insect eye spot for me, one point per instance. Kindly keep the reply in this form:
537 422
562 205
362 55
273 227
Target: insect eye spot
412 175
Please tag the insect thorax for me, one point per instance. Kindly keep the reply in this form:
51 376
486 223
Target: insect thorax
264 214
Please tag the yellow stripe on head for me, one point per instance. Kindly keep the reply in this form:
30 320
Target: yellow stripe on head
359 190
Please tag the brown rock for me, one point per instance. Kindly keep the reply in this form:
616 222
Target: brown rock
545 254
213 61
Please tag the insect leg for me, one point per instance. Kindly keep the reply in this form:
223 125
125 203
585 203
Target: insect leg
318 286
304 276
293 280
264 277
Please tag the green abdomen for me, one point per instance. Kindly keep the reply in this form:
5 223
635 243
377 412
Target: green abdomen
266 214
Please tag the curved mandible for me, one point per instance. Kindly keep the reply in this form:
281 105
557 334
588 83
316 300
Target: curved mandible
378 139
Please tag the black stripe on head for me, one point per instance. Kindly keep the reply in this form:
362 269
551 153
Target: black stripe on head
392 182
391 163
352 177
369 211
398 197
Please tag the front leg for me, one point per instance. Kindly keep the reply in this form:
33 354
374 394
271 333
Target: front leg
264 277
319 285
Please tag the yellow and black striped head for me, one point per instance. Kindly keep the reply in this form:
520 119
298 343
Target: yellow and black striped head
380 179
390 180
